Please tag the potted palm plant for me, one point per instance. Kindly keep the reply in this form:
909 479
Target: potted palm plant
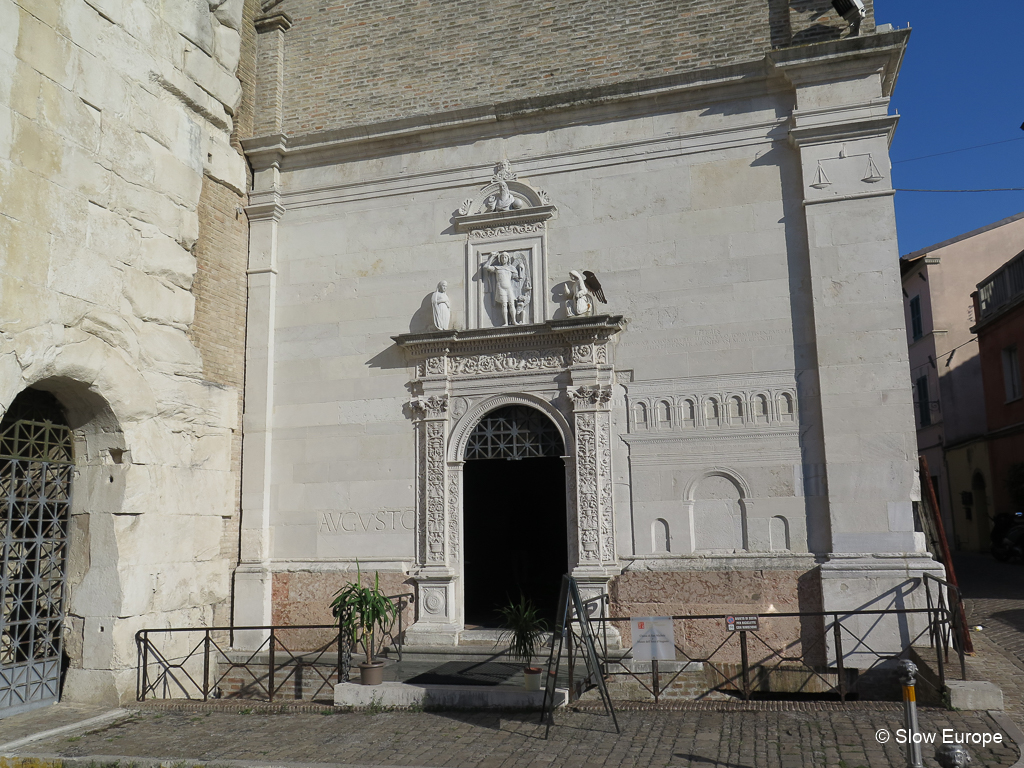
524 629
361 612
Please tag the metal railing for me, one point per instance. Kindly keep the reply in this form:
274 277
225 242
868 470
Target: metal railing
842 649
173 665
947 599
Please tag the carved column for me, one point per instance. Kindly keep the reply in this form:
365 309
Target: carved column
434 551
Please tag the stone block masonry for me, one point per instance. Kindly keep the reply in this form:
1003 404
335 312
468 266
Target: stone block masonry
118 241
356 63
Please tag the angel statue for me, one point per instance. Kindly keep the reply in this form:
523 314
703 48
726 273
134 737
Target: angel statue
578 292
509 282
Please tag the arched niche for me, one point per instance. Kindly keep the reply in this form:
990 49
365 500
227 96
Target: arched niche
718 504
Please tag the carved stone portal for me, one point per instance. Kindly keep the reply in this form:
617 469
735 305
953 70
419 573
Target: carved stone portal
563 369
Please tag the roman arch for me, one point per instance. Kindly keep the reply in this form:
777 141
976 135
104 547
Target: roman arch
564 369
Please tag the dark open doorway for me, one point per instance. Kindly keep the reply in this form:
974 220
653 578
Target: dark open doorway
514 514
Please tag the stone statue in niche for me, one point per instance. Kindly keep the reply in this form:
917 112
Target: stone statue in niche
580 292
508 281
442 306
502 200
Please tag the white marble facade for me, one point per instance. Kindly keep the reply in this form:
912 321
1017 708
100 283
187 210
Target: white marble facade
740 402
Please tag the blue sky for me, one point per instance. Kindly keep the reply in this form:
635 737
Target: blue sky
961 85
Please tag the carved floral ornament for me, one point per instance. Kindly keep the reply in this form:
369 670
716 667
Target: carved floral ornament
591 395
433 407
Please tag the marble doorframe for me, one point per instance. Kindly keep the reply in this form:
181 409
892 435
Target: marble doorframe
564 369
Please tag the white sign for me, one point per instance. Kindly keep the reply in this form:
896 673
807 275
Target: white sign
654 637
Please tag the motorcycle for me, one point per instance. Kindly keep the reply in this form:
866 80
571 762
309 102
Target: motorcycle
1008 536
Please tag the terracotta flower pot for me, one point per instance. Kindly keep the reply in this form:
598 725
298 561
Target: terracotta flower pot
531 677
372 673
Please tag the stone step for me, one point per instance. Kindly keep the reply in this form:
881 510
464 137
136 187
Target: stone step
469 697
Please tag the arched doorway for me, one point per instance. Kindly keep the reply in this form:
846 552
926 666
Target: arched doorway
36 464
514 513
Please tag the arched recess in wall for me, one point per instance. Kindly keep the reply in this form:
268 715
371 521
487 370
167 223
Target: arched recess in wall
719 504
49 477
99 391
661 537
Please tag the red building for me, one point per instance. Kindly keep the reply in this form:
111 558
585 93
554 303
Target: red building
999 307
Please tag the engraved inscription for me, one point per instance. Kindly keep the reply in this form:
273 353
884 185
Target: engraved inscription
382 521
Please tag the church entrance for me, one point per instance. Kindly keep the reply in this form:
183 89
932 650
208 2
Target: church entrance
514 514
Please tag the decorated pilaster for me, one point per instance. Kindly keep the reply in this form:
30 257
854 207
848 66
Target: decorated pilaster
435 574
591 395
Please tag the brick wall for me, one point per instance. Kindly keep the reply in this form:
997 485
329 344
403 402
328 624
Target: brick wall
354 62
220 285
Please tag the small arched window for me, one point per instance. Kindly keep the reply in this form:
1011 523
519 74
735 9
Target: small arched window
735 410
689 414
640 416
760 409
664 414
712 412
786 410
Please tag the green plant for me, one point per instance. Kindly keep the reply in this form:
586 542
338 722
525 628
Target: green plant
524 629
361 610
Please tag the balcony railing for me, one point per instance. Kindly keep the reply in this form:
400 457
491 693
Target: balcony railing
1002 287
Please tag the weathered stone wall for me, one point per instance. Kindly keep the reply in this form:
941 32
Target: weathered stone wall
355 63
115 160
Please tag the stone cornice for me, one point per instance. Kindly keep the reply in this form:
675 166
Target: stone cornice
553 333
828 61
275 20
841 128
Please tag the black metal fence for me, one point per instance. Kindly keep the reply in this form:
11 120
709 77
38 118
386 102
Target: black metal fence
201 663
826 653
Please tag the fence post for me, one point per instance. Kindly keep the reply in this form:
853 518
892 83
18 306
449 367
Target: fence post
567 629
206 666
837 634
145 664
746 668
654 676
908 671
341 653
270 678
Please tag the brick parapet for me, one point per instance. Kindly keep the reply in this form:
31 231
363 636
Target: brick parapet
350 64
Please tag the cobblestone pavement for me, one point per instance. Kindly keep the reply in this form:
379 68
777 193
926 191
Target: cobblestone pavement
779 738
717 735
994 599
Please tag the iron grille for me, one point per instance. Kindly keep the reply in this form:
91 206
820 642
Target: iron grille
35 486
514 432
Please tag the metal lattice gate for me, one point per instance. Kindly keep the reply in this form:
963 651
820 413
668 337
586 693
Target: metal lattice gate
36 462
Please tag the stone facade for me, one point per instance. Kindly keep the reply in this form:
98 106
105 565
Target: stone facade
742 403
121 239
740 406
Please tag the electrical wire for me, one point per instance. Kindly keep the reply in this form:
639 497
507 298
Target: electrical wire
954 151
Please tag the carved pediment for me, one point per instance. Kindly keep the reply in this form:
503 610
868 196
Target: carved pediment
505 202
